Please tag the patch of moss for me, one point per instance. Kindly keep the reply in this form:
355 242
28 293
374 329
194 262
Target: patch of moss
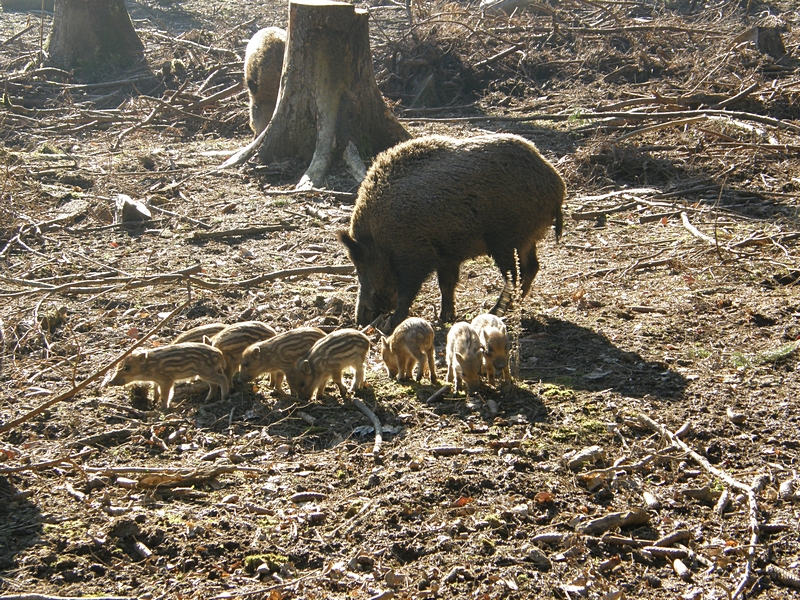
744 361
551 390
592 426
563 434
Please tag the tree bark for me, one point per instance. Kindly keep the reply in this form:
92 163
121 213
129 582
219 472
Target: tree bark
93 35
328 95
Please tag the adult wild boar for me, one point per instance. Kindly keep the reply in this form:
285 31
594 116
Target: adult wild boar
431 203
263 63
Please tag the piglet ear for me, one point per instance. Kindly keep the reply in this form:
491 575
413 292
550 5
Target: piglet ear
356 249
141 357
305 367
207 340
256 352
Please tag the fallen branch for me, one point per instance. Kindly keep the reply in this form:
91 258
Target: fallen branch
740 96
103 437
301 271
636 516
48 463
87 286
751 494
675 123
242 232
376 449
633 116
445 389
169 213
596 214
695 231
46 597
19 34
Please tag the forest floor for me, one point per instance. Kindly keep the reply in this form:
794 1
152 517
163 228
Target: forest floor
671 303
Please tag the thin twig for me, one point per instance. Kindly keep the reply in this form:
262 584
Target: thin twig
48 463
695 231
738 485
376 424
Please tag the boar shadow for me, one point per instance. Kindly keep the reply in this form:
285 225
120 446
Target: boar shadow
22 530
560 352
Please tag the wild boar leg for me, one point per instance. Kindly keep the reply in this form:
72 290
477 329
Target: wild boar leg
224 388
530 266
276 381
408 289
337 379
212 390
359 378
420 358
504 258
431 365
167 391
448 279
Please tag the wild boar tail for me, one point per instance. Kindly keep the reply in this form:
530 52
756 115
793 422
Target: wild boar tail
559 223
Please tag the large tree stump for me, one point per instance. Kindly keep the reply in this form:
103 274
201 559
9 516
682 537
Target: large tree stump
328 96
93 34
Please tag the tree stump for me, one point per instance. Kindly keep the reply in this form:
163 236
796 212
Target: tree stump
93 34
328 96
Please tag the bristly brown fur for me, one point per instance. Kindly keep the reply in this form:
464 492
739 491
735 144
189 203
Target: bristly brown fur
431 203
263 63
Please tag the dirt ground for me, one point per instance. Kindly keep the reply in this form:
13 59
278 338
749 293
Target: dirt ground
671 301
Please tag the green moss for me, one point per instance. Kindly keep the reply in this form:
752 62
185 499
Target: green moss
699 352
551 390
563 434
592 426
745 361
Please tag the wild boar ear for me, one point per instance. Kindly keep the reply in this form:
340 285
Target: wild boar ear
305 367
140 357
384 342
207 340
356 249
256 352
482 338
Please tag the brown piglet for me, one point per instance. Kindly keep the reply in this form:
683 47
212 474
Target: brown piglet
326 360
411 343
495 346
196 334
278 355
463 357
167 364
234 340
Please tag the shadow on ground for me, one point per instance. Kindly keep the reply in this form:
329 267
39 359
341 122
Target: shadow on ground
22 525
562 353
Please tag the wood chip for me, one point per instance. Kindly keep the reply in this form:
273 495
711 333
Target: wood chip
737 418
637 516
301 497
651 501
681 570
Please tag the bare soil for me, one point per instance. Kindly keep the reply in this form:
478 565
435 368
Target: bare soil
673 295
